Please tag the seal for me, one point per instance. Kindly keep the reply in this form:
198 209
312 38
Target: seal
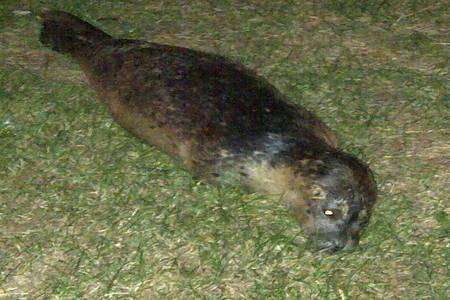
224 124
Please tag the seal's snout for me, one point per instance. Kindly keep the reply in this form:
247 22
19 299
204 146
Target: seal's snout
334 244
331 246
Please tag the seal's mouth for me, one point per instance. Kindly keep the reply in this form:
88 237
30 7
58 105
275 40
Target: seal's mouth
330 247
333 246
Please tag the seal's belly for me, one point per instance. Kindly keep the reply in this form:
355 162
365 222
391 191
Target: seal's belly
165 138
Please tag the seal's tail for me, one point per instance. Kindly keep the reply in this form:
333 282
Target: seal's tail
66 33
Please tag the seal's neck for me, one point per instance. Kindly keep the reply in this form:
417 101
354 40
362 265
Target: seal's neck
271 166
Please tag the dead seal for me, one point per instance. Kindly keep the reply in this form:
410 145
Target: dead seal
224 124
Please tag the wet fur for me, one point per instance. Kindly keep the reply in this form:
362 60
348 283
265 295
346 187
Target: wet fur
218 118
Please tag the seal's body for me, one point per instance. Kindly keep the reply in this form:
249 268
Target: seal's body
224 124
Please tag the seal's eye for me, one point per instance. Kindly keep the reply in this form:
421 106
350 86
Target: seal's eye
328 212
335 214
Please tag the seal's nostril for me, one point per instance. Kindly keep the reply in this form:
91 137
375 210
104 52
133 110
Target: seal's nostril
331 246
325 245
336 248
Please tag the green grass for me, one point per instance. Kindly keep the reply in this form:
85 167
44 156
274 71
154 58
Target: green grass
86 210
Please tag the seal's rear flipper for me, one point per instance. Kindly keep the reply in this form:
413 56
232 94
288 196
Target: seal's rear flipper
69 34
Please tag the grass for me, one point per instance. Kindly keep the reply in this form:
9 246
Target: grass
86 210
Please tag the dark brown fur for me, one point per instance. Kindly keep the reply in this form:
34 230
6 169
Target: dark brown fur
224 123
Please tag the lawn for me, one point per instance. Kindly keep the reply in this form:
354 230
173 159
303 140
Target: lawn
88 211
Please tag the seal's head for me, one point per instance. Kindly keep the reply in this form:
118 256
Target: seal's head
338 202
